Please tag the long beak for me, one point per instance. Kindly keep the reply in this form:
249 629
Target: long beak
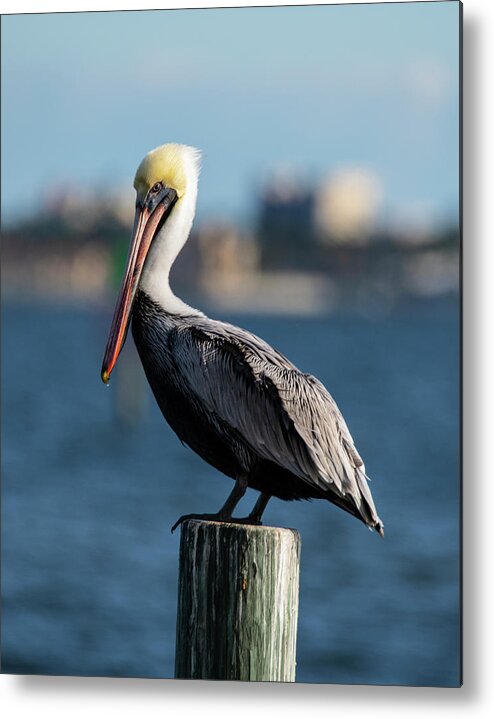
146 224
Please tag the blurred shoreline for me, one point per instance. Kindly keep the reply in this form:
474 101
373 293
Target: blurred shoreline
289 262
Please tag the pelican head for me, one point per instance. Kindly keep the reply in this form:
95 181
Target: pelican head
165 179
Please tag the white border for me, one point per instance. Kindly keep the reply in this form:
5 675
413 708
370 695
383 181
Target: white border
22 6
122 698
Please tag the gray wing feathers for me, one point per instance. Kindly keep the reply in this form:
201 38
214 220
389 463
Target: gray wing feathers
286 416
234 388
352 465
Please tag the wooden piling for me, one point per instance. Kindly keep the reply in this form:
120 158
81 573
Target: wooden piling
237 602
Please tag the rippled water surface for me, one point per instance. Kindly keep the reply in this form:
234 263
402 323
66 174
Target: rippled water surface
93 479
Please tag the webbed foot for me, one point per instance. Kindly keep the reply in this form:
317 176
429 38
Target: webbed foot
218 517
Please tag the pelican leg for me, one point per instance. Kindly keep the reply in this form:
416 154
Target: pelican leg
255 516
259 508
225 513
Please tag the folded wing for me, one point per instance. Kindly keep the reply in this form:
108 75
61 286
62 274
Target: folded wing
284 415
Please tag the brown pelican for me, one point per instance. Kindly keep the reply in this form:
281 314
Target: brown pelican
227 394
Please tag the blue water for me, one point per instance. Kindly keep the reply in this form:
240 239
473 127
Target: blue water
89 496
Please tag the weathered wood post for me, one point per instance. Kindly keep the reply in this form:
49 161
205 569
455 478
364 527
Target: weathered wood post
237 602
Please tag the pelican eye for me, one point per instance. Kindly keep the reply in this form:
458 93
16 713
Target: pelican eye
157 188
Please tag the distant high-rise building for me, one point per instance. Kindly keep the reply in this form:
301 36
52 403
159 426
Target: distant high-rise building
346 206
286 221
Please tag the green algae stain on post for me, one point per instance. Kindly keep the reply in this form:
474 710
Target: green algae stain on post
237 602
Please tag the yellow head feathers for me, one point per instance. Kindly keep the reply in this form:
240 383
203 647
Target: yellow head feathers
173 165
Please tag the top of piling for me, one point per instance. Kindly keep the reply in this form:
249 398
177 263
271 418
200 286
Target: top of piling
212 523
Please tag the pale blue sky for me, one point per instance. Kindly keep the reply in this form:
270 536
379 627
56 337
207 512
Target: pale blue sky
86 95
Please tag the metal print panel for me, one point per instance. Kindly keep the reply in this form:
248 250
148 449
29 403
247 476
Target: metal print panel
246 222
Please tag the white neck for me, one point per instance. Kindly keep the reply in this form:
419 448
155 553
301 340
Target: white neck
163 252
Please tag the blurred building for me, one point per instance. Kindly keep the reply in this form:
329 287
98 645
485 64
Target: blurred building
346 207
227 257
69 249
285 224
335 230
